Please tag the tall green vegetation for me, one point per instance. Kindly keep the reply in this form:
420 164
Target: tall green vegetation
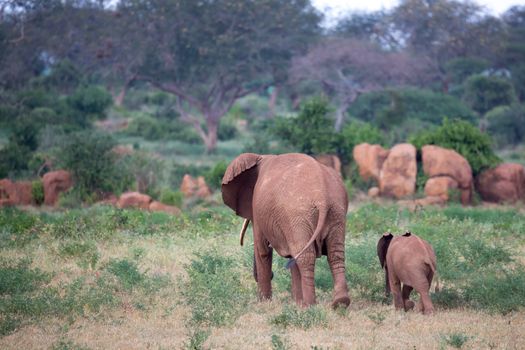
89 157
464 138
312 131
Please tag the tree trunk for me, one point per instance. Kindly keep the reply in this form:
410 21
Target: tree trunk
119 99
210 138
273 101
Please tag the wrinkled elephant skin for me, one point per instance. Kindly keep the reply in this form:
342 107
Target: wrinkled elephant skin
298 208
410 263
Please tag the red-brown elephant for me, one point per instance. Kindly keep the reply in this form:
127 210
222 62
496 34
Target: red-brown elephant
298 208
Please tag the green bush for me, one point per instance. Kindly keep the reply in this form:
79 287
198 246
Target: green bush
464 138
213 290
506 124
483 93
461 68
170 197
312 131
147 127
291 316
407 104
227 130
37 191
91 100
214 176
353 134
89 157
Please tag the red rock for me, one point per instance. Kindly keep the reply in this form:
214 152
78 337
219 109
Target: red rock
502 184
25 192
158 206
134 200
439 161
369 159
192 187
397 178
373 192
55 182
440 186
8 193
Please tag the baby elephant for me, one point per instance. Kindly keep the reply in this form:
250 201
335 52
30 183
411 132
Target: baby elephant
409 260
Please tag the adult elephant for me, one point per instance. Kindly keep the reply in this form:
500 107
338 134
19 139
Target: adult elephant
298 207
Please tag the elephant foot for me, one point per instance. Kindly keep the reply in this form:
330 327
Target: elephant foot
342 301
409 305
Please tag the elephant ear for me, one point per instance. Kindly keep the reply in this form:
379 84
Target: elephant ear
238 183
382 247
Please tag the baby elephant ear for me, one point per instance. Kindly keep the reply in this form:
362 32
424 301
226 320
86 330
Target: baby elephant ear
382 247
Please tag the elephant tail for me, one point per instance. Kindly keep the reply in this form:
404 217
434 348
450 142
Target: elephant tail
320 224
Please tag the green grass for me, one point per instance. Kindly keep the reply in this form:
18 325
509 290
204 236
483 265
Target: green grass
293 316
477 251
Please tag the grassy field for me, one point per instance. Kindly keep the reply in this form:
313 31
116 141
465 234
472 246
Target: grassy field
105 278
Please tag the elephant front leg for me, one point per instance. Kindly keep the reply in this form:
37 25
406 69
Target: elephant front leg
263 267
297 290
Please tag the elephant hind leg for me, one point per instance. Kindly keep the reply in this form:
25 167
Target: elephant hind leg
306 266
408 304
395 287
297 291
336 261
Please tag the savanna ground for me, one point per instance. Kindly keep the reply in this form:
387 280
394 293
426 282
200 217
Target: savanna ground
106 278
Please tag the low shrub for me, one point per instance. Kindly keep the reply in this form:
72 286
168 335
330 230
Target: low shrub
292 316
214 176
37 191
170 197
213 290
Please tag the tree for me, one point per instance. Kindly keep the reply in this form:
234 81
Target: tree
346 68
441 30
210 53
483 93
513 56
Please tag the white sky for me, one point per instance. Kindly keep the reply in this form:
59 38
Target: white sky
333 8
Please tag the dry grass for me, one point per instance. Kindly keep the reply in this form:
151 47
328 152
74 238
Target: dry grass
164 321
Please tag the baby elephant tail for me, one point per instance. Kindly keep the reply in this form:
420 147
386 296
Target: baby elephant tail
437 288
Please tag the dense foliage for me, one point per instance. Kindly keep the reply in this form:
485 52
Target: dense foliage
464 138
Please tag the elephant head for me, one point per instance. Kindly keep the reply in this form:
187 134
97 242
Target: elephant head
238 183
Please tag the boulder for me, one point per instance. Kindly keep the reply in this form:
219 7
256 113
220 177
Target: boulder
373 192
192 187
188 186
134 200
369 159
331 161
397 177
439 161
15 193
440 186
25 192
158 206
8 193
55 182
502 184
